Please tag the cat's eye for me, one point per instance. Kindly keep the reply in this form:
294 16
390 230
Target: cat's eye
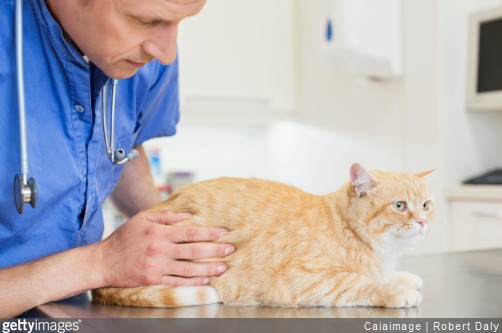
427 205
400 206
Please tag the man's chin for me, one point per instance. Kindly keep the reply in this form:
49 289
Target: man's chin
121 73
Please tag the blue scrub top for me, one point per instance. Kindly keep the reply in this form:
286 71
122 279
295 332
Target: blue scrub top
67 154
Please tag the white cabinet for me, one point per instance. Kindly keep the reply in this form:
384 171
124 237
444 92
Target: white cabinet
365 36
475 217
238 56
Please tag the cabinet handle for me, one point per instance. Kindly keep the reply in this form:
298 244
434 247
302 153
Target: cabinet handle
491 215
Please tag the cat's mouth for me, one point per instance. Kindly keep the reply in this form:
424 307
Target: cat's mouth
409 236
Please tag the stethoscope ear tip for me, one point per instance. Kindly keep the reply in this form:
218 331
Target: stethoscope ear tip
133 154
119 155
121 158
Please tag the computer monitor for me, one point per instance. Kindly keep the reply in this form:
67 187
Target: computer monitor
484 83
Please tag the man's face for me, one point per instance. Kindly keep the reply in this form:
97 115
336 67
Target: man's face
120 36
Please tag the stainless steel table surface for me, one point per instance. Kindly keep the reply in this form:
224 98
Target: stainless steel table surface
456 285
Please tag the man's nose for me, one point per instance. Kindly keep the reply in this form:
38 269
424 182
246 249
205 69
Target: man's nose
162 45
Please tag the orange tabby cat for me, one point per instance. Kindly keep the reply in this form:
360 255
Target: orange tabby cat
299 249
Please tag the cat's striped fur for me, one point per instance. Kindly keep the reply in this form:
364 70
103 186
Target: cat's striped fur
298 249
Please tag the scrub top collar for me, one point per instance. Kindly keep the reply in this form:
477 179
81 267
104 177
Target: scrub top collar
65 48
59 41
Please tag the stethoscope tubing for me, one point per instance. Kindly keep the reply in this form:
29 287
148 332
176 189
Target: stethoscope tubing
116 156
25 188
23 141
110 141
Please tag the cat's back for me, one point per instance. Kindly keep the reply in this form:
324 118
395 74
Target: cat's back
230 202
226 188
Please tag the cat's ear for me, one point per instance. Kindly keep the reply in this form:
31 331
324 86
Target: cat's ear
362 181
425 173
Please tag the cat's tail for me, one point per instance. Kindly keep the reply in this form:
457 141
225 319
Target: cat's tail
156 296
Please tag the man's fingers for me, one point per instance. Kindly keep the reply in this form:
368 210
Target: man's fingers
193 234
166 217
177 281
195 251
184 234
194 269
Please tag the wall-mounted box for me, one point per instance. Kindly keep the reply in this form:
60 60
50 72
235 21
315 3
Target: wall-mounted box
365 37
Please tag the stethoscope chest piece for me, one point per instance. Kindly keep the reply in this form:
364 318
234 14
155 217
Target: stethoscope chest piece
25 192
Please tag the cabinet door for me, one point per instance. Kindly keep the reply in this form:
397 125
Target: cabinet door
238 55
476 225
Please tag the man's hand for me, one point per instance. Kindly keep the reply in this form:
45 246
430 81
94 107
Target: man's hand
150 249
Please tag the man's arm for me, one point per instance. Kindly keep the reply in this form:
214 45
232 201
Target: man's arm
135 190
62 275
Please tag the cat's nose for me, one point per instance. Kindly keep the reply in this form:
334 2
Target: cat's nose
421 223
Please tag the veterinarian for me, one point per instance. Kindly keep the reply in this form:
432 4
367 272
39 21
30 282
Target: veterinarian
50 246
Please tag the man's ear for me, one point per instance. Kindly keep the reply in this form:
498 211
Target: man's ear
362 181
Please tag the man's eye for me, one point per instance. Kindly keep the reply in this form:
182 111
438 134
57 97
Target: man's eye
146 21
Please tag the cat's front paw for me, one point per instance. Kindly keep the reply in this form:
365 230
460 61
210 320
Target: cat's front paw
399 297
406 279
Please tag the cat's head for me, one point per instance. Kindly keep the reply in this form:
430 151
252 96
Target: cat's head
392 210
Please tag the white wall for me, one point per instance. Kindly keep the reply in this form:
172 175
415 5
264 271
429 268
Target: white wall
342 118
211 151
421 109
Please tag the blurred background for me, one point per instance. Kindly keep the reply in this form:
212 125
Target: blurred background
297 90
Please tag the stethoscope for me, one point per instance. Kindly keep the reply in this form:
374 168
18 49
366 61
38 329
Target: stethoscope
116 156
25 187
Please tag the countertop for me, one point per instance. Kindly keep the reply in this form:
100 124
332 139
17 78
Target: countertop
475 192
456 285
